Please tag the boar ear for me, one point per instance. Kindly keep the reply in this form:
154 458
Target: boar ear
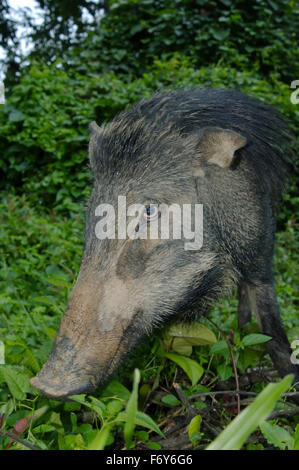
217 146
94 131
93 128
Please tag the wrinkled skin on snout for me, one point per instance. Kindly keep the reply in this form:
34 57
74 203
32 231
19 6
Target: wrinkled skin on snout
98 328
173 149
124 289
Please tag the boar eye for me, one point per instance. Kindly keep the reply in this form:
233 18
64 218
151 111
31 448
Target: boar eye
151 213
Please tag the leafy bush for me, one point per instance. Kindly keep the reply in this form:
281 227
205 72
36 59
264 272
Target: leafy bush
43 126
258 35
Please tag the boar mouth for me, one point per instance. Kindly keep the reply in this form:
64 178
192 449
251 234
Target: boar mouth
47 389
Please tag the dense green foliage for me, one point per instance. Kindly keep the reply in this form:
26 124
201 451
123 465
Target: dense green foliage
258 35
134 49
44 124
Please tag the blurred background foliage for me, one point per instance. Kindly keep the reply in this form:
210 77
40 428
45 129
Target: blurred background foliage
90 59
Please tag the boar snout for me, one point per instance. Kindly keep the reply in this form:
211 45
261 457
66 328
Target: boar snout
91 342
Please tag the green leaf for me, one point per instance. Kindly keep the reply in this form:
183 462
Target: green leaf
255 338
116 389
114 407
142 435
277 435
194 334
56 281
236 433
194 426
170 400
94 404
181 346
219 347
17 381
225 371
141 419
192 368
154 445
30 361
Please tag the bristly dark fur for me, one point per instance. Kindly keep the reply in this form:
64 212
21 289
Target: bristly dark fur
185 111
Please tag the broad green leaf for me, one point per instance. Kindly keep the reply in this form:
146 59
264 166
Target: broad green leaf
191 367
142 435
79 399
255 338
154 445
236 433
277 435
56 281
114 406
181 346
219 347
225 371
170 400
30 361
131 410
97 404
194 334
143 419
116 389
17 381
